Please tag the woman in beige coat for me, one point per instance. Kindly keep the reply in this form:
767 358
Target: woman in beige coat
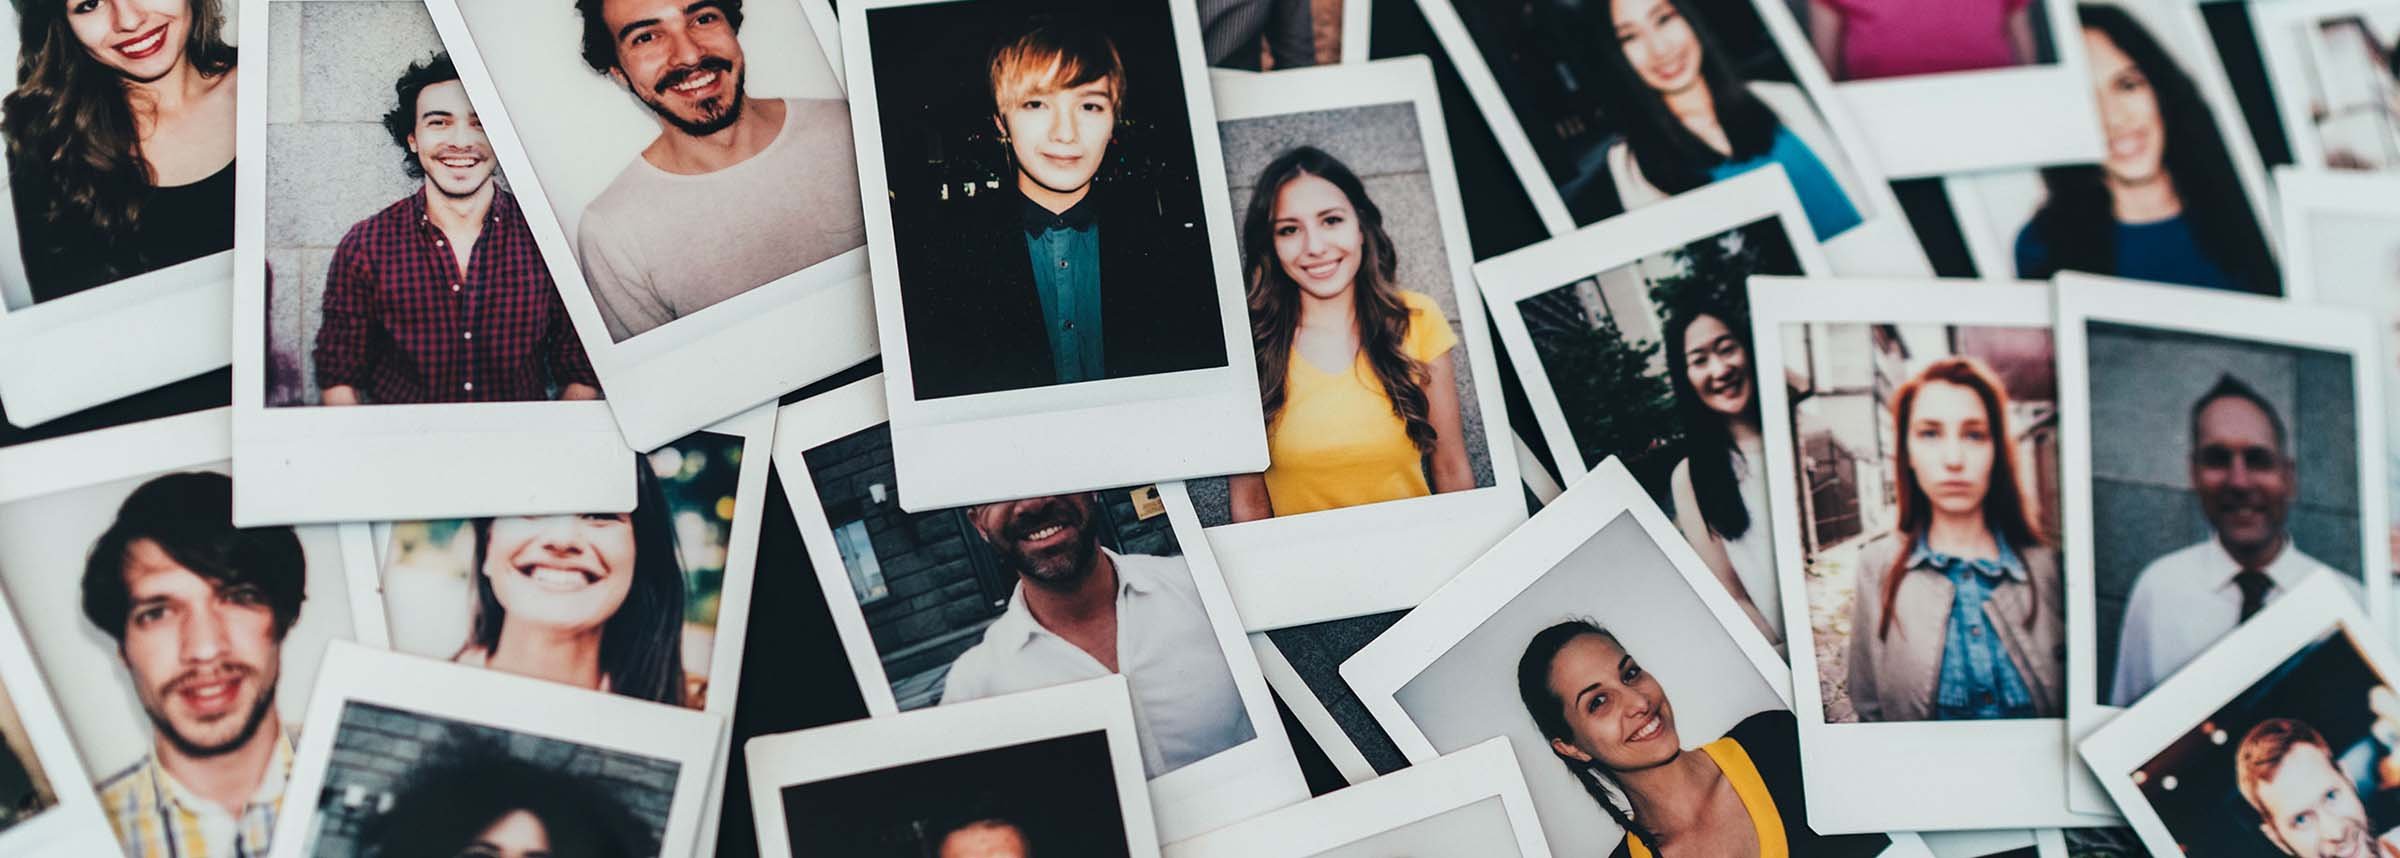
1957 614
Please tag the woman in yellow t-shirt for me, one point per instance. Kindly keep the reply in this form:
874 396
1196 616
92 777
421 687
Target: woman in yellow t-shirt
1355 373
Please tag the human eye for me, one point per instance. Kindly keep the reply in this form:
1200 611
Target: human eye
1335 220
83 6
1286 230
641 38
242 596
1595 702
1632 672
606 517
149 614
708 16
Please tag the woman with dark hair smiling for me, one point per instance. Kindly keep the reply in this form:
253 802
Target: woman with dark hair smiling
475 801
1686 115
120 139
1356 373
1611 724
1720 487
2165 204
593 600
1957 613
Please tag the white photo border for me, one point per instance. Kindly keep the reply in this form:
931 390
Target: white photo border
1424 791
1961 122
76 824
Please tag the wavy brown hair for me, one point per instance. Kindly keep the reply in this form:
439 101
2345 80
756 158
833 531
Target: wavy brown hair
71 121
2005 508
1383 318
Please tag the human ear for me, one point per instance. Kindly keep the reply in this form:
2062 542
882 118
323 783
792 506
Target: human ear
1569 751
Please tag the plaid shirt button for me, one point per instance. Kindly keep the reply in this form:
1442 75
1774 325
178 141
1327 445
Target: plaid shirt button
470 385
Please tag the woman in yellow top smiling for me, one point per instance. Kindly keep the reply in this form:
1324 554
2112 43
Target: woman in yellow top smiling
1355 373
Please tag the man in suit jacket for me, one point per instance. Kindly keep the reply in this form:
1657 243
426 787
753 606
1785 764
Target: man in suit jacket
1065 279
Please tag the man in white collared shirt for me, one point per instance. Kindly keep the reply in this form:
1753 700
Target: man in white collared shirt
1081 611
2243 474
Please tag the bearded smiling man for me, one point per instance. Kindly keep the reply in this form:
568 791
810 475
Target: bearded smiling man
734 193
1082 611
199 611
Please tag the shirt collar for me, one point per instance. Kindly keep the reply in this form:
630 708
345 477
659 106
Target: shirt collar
2285 571
1038 220
504 207
269 792
1017 627
1922 555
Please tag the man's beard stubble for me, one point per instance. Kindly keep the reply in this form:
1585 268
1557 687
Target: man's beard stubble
711 122
251 721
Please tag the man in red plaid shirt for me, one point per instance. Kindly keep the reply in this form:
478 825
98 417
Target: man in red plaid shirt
443 296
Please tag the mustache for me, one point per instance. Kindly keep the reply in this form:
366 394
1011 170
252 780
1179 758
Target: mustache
676 77
208 675
1054 513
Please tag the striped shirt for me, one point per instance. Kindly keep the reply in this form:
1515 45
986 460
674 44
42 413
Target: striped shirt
155 817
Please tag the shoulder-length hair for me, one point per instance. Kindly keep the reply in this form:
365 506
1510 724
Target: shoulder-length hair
2006 509
1550 716
1383 318
1707 440
71 126
1671 157
2077 222
467 785
641 647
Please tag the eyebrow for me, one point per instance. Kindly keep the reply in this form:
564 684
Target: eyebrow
631 26
433 113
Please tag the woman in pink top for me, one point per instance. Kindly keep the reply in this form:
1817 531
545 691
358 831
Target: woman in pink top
1869 39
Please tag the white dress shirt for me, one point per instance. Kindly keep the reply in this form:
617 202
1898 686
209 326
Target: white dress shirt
1185 705
2186 601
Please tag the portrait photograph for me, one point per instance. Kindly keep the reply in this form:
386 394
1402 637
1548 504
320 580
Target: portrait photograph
691 186
2342 248
1282 35
1464 805
1351 224
1914 448
2180 196
2331 67
2275 743
1049 772
1603 108
1060 306
1632 339
1860 40
117 217
1596 643
174 641
649 604
2217 454
947 606
394 270
423 757
47 805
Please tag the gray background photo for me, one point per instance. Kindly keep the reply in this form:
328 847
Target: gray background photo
1382 144
330 74
376 748
2143 384
1621 580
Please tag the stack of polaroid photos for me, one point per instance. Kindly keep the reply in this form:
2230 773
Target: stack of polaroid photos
1200 428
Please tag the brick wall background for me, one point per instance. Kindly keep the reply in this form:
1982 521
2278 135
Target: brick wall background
376 748
943 583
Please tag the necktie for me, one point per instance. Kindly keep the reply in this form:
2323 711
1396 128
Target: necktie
2254 586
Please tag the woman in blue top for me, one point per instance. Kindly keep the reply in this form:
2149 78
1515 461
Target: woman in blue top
1688 119
2166 204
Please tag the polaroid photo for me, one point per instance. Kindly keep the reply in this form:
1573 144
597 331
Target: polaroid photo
1254 36
1012 368
2215 231
2342 248
1348 204
1599 644
2330 65
699 214
2113 842
1051 772
1303 665
2241 454
1577 94
1959 87
1907 409
2277 741
401 340
939 607
172 640
1630 340
1471 804
1315 718
2002 843
424 757
47 803
116 261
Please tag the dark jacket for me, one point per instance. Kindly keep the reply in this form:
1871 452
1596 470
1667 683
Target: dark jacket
974 318
1772 741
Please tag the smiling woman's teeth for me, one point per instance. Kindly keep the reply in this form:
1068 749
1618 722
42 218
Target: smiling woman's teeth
549 577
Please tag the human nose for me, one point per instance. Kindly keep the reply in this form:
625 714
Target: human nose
124 16
559 534
1062 126
682 50
203 635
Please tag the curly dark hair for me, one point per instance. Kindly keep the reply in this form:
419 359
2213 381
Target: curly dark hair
401 120
600 45
471 784
190 517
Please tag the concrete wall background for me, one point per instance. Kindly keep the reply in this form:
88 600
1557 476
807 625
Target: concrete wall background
1384 146
2143 384
330 66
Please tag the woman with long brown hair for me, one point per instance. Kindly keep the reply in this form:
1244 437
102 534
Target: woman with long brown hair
1355 373
1957 613
120 139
